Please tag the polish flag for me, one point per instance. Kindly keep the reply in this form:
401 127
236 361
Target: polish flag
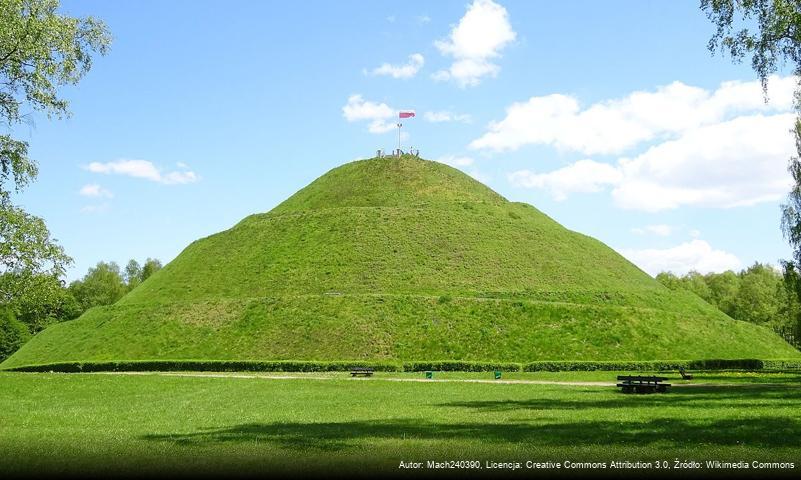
406 114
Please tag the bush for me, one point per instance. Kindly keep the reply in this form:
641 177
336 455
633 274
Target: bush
586 366
13 333
442 366
750 364
461 366
208 366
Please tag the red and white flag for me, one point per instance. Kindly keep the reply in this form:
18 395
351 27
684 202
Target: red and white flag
406 114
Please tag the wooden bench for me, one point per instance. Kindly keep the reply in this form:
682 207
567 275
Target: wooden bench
361 371
642 384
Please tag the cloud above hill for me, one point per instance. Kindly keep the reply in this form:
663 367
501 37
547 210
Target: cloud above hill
482 33
695 255
721 149
736 163
447 116
614 126
408 70
146 170
378 114
94 190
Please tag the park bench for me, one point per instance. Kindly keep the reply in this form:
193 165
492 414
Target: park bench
684 374
363 371
642 384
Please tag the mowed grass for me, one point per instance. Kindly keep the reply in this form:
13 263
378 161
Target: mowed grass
153 423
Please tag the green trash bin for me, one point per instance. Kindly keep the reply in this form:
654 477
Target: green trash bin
497 375
429 374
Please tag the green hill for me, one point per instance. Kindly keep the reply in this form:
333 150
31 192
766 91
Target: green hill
401 259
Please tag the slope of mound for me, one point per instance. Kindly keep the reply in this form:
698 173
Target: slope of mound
401 259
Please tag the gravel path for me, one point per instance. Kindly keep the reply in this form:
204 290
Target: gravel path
395 379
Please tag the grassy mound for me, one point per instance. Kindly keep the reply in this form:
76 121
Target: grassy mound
401 259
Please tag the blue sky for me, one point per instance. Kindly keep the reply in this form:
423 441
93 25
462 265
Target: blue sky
615 120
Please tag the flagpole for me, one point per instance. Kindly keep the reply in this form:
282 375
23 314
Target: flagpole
399 139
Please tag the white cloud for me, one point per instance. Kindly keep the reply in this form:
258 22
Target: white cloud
409 70
358 108
456 161
617 125
695 255
735 163
423 19
585 176
446 116
94 190
739 162
380 115
143 169
100 208
661 230
478 39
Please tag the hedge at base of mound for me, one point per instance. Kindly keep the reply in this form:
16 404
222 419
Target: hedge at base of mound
747 364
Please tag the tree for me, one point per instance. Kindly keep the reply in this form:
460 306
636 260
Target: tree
151 266
770 32
133 274
40 51
45 302
13 333
102 285
696 283
792 286
670 280
724 287
758 298
777 37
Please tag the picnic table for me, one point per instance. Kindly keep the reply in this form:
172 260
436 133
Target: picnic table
361 371
642 384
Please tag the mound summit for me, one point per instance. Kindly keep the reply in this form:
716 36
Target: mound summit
400 259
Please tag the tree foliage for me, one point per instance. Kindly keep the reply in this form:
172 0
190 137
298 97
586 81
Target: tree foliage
105 283
40 51
13 333
770 32
151 266
102 285
758 294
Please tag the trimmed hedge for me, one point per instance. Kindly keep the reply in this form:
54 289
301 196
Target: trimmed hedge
442 366
584 366
208 366
750 364
461 366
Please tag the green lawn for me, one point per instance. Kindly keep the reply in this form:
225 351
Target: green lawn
203 423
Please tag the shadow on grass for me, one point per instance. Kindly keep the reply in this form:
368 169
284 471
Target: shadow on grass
333 436
745 396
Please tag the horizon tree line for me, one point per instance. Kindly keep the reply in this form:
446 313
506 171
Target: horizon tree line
48 300
758 294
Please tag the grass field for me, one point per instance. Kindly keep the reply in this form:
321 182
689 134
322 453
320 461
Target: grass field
206 423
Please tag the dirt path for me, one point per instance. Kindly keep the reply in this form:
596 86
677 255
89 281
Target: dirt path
395 379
